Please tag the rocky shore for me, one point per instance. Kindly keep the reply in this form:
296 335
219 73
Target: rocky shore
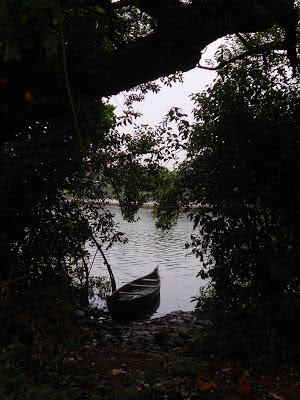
173 330
113 350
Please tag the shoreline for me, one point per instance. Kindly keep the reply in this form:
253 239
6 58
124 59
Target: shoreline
150 204
116 203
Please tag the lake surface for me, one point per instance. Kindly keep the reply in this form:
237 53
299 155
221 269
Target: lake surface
148 247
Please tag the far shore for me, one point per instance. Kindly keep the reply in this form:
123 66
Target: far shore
113 202
150 204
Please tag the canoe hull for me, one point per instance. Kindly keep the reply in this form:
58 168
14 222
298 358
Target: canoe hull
136 297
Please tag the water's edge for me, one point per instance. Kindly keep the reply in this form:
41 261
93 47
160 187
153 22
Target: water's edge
148 247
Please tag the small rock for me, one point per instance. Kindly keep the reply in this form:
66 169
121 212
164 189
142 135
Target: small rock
80 313
226 370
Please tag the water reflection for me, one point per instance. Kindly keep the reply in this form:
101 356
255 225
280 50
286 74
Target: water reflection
148 247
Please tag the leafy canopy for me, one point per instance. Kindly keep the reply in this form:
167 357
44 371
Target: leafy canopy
60 148
240 174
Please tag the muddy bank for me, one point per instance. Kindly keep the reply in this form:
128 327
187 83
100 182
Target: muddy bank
112 348
175 330
160 359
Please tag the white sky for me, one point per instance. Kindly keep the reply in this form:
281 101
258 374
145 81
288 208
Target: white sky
155 106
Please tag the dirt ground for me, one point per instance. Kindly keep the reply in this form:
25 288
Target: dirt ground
162 357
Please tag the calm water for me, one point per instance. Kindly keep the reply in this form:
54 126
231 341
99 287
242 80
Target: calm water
148 247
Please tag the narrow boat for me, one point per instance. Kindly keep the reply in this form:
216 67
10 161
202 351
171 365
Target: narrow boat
135 297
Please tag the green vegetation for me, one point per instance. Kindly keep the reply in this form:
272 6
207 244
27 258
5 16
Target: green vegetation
60 150
61 146
241 175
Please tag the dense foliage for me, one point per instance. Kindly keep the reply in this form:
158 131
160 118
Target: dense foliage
241 174
61 145
60 150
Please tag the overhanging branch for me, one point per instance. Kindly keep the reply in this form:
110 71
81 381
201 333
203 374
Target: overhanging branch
175 45
255 50
181 32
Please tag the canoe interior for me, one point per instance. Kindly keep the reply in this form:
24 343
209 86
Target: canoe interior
138 288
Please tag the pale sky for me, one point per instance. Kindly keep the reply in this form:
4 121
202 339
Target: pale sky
156 106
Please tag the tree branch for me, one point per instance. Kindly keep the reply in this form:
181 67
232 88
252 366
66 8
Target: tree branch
254 50
181 33
93 11
112 278
20 278
244 41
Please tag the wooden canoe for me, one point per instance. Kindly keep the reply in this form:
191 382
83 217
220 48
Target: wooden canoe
135 297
